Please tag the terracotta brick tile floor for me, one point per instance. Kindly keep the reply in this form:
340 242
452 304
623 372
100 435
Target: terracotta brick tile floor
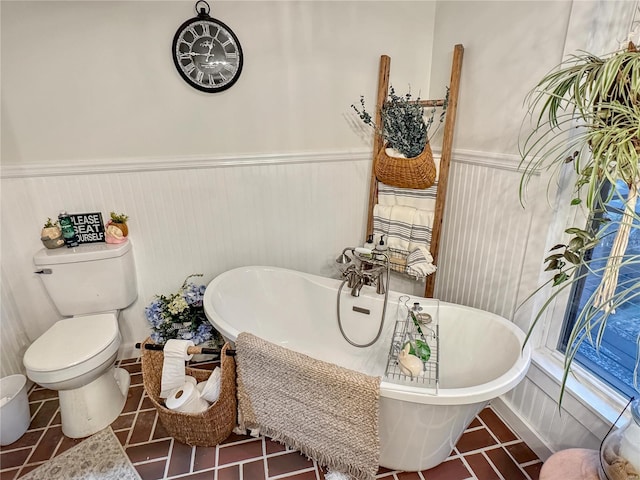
488 450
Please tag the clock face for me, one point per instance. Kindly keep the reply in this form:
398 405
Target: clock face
207 54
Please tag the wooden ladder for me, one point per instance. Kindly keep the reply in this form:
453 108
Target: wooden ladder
445 158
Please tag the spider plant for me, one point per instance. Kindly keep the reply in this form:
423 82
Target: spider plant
587 116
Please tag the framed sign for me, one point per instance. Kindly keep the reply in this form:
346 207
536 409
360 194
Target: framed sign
88 226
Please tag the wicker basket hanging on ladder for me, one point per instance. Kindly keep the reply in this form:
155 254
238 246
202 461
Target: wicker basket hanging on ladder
417 172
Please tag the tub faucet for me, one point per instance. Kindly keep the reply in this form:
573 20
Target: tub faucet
373 277
360 281
362 270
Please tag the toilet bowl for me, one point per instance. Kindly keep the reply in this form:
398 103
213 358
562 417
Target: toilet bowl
76 357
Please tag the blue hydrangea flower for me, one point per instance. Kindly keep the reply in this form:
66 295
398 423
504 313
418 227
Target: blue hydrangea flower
180 315
154 313
193 294
157 337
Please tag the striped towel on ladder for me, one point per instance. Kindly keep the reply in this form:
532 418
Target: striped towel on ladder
405 217
409 197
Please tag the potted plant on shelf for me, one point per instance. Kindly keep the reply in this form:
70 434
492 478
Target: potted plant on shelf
116 229
406 159
119 220
51 234
588 118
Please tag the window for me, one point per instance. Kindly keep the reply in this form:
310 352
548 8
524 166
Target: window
615 361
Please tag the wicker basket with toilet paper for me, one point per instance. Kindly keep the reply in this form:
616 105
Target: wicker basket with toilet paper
198 406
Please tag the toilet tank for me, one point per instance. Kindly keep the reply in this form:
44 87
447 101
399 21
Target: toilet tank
89 278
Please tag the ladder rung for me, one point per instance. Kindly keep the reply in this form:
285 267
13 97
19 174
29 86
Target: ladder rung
429 103
432 103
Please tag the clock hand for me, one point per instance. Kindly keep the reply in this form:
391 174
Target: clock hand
210 48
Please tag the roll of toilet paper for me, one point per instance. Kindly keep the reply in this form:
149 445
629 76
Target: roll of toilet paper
187 400
210 390
173 368
188 379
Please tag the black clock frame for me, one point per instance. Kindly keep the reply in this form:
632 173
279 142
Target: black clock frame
204 15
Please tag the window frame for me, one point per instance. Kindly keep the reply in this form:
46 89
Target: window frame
572 309
586 390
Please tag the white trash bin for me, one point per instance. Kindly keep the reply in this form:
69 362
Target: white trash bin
14 408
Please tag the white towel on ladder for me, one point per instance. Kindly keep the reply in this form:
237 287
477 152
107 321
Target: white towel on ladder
400 226
420 263
421 230
409 197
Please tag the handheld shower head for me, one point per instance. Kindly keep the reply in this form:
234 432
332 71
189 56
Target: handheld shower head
343 261
343 258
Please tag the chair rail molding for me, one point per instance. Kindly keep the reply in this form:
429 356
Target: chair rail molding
502 161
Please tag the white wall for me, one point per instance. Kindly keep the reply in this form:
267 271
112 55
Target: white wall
508 47
96 80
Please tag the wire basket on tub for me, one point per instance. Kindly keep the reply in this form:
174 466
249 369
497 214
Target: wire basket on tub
204 429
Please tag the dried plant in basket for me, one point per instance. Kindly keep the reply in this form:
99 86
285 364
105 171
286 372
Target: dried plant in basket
405 159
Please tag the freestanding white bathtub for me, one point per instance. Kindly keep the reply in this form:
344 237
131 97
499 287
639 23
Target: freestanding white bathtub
481 354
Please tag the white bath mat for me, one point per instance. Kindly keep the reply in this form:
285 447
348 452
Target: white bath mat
99 457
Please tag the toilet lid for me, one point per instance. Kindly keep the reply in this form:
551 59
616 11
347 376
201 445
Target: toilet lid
71 341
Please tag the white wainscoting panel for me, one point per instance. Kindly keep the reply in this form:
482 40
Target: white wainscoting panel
209 215
14 340
485 235
556 428
190 219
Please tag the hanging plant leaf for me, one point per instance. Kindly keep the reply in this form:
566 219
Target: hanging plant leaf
576 244
553 257
572 257
559 278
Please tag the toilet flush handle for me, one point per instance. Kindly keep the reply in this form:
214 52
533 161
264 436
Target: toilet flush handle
44 271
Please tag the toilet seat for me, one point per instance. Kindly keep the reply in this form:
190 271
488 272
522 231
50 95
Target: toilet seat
72 347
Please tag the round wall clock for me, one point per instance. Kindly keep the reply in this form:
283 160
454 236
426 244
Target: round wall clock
207 53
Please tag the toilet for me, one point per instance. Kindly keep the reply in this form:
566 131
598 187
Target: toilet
88 284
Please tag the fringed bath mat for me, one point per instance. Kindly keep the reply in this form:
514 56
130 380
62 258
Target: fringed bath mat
99 457
327 412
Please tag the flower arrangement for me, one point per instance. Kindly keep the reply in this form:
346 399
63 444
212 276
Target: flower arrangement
404 127
181 315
